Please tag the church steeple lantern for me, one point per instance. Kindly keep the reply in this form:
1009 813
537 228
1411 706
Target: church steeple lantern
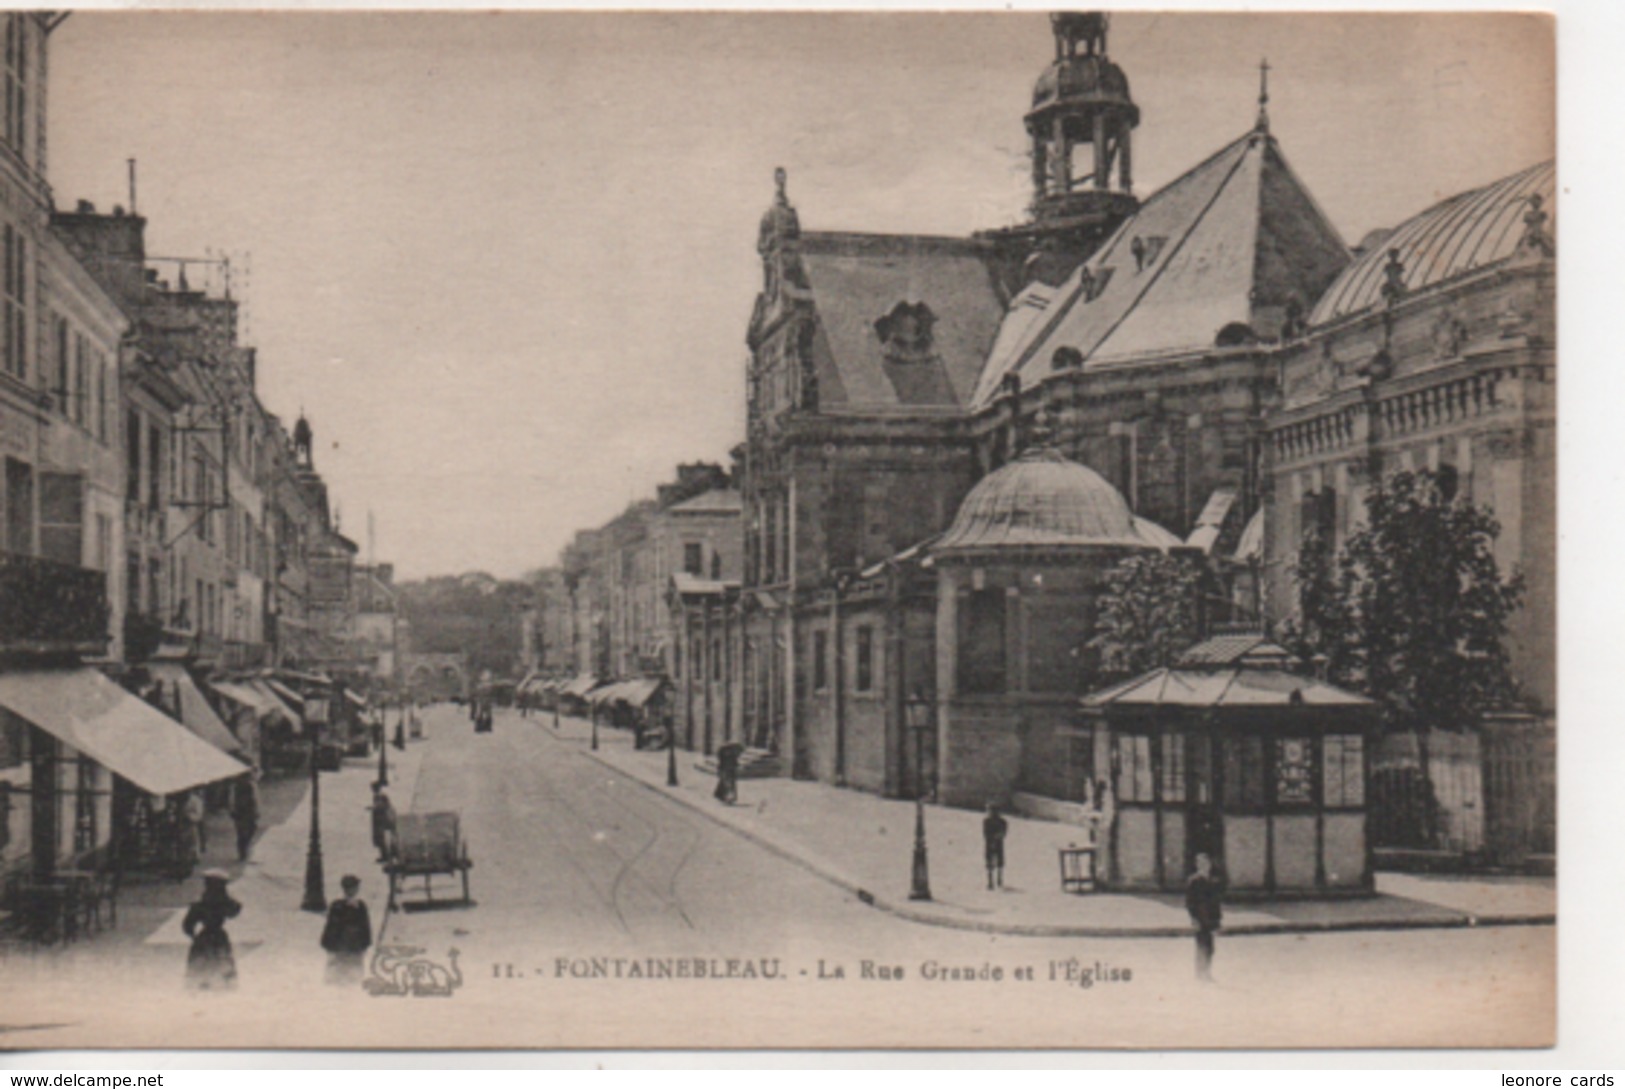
1081 101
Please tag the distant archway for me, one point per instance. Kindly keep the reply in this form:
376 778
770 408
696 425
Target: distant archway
434 677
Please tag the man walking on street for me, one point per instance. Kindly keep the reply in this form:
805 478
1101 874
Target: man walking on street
994 828
383 821
245 813
1202 900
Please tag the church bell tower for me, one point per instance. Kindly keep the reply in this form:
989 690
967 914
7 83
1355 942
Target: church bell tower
1080 128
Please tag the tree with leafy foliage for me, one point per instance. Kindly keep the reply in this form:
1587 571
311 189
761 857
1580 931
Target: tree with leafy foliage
1323 628
1150 613
1414 610
473 614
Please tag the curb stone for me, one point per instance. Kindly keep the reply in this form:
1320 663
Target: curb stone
1456 921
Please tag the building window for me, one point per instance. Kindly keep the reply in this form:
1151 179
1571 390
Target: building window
19 507
84 807
1133 767
696 655
155 460
132 457
132 583
81 381
1244 772
1318 515
17 84
694 558
1295 771
62 512
716 660
770 562
1173 767
60 360
981 643
14 334
1343 770
820 669
104 402
716 566
864 676
104 543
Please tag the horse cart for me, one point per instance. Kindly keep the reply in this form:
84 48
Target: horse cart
427 845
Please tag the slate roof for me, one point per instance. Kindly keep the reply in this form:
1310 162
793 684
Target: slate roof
855 279
1233 235
1466 232
715 501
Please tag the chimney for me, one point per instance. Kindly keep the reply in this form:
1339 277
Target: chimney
85 208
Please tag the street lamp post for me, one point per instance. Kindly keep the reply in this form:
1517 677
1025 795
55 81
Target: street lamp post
592 712
918 711
383 750
315 887
671 750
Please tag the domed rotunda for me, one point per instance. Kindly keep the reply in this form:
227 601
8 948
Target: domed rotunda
1043 500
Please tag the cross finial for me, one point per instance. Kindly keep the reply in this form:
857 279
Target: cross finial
780 177
1263 96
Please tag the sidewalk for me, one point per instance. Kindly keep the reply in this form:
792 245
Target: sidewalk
864 844
270 884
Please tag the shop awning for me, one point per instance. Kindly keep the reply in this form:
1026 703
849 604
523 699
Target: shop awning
287 695
605 694
196 714
282 708
85 710
639 692
248 697
582 684
359 700
304 678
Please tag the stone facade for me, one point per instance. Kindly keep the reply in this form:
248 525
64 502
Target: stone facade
1208 350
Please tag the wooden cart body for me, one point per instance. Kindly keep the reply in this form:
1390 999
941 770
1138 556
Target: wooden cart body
425 845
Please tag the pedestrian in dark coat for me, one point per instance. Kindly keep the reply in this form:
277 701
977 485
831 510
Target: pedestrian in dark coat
994 828
728 756
1203 894
245 813
210 965
383 821
347 935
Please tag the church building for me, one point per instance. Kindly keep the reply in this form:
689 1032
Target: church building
949 440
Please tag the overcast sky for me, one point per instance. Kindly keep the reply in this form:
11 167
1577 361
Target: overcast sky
505 261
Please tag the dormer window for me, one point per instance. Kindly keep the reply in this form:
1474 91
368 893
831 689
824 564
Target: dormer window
906 332
1093 282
